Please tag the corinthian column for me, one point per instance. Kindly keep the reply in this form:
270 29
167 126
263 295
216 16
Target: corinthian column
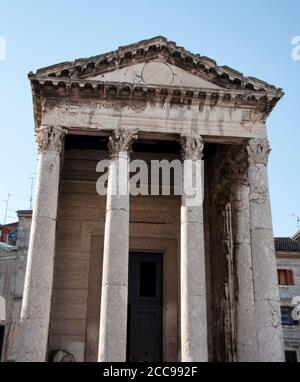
35 314
245 310
114 300
192 280
267 312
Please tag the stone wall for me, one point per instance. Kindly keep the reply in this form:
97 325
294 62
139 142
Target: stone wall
16 277
8 260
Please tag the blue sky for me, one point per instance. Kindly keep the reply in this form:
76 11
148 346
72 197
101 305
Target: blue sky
254 38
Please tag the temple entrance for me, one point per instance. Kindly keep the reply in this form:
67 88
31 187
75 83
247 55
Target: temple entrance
145 301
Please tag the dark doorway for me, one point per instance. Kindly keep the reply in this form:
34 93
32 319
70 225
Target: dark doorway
291 356
145 299
2 332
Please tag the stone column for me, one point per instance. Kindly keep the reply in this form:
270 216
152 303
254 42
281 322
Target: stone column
245 308
192 280
35 314
267 311
114 299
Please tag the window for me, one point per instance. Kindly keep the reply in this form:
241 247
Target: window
285 277
291 356
286 316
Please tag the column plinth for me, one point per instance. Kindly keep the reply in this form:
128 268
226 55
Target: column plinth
35 314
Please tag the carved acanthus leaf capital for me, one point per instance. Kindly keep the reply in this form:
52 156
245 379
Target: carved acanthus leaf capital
239 167
121 141
50 138
192 147
258 151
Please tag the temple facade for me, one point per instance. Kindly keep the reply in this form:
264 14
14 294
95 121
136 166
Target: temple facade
151 276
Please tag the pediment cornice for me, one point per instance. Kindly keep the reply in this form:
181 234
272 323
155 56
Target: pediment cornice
76 79
119 90
156 48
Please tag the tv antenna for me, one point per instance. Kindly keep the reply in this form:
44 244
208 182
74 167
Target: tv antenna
32 177
298 221
6 201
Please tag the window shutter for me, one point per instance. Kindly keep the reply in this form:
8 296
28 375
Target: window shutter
278 275
282 277
290 277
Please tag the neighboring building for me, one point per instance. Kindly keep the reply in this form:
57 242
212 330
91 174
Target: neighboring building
8 256
12 273
288 268
296 236
157 277
8 233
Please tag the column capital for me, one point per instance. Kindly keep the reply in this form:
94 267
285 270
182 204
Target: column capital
121 141
50 138
239 167
258 151
192 147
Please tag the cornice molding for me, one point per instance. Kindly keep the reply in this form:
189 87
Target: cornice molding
130 94
71 78
157 47
286 255
179 91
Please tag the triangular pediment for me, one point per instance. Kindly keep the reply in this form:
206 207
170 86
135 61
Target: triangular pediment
155 72
155 61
